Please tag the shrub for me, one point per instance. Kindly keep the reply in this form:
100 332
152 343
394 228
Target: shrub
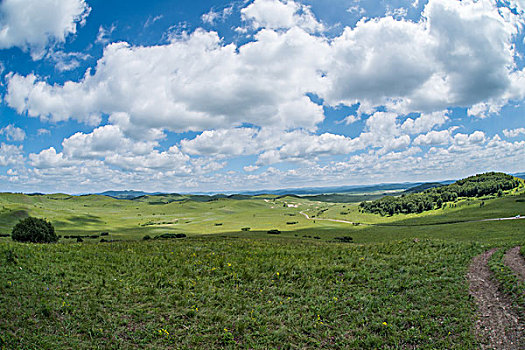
104 233
344 239
170 235
146 238
34 230
79 240
274 232
245 229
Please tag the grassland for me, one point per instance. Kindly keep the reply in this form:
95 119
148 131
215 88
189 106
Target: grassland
400 284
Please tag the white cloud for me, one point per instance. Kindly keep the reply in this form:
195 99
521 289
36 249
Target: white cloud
277 14
103 36
232 142
104 141
397 13
151 20
10 155
433 138
108 146
66 61
193 83
514 132
350 119
463 143
12 133
458 54
425 122
356 9
49 158
43 132
250 168
34 24
252 98
212 16
300 146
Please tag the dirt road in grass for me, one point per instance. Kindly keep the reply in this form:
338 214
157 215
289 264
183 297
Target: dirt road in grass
519 217
516 262
332 220
498 324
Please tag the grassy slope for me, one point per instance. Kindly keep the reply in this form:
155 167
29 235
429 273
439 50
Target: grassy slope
253 293
387 291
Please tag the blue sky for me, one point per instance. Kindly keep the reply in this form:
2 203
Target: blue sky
224 96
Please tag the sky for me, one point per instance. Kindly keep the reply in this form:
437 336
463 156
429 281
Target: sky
192 96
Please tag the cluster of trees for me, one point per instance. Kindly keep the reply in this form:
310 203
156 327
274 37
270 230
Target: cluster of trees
434 198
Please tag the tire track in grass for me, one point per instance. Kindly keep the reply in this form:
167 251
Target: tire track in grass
516 262
498 324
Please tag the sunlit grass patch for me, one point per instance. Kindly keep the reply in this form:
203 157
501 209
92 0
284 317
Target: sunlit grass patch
247 293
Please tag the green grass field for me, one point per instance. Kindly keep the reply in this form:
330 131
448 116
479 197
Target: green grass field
400 284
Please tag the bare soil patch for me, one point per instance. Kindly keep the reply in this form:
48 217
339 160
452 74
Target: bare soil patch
498 325
516 262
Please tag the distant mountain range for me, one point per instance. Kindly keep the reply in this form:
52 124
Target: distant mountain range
129 194
408 187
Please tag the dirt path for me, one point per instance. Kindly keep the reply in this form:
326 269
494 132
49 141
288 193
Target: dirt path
333 220
516 262
518 217
498 324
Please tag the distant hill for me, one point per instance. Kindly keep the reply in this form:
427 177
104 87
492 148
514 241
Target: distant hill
423 187
126 194
377 190
338 189
520 175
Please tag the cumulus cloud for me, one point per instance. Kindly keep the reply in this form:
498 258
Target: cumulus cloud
460 54
433 138
438 62
193 83
11 155
514 132
276 14
272 145
12 133
250 168
232 142
407 76
32 25
49 158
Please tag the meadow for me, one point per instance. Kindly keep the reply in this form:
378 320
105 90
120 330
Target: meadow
399 284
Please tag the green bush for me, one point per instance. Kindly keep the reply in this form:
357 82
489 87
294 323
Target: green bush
34 230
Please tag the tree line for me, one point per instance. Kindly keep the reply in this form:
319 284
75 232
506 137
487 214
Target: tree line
475 186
